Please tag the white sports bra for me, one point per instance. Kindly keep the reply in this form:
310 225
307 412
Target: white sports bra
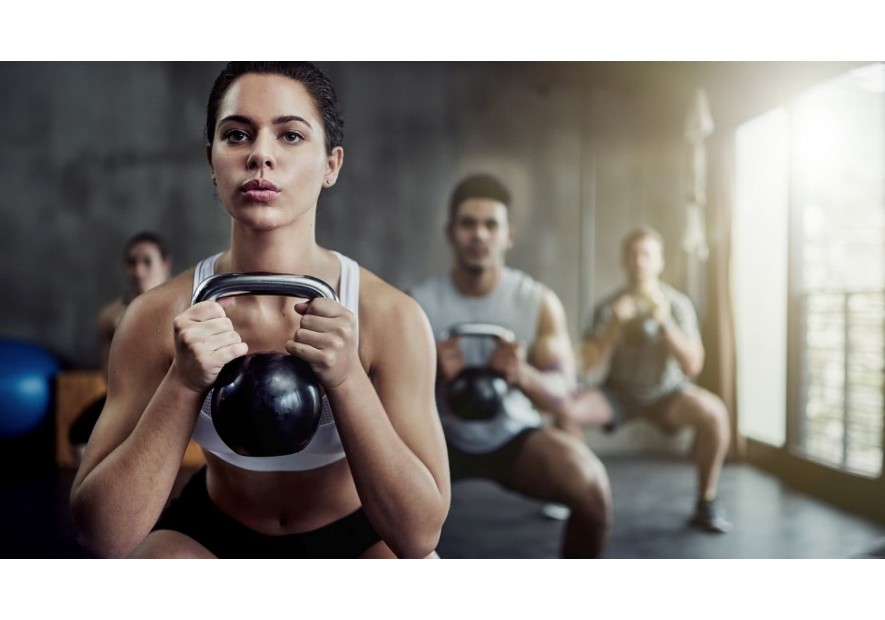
325 447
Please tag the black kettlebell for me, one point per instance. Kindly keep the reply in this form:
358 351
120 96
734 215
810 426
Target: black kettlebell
477 392
269 403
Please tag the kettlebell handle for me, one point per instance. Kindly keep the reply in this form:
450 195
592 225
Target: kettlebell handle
260 283
481 329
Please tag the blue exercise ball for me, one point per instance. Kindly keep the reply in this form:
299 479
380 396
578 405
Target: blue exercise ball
27 373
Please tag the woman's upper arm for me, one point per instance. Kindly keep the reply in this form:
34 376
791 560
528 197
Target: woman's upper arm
403 370
104 335
138 360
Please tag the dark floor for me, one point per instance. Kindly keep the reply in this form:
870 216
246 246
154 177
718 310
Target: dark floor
652 501
652 498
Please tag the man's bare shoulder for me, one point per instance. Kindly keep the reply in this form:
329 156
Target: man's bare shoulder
552 309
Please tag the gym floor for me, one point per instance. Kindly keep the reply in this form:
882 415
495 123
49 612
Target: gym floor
652 501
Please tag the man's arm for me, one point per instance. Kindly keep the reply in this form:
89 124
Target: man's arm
681 335
546 373
598 348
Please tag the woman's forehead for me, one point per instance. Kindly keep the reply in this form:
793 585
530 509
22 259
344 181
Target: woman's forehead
266 95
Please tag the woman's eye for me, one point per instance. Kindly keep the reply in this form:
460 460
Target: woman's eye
235 136
293 137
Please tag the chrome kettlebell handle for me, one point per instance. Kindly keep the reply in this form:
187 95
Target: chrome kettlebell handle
481 329
282 284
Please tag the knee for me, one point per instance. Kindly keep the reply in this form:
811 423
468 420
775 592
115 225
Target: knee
591 496
155 547
165 544
596 505
565 415
714 418
587 407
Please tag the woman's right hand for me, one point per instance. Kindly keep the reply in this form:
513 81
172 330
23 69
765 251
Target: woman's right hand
205 340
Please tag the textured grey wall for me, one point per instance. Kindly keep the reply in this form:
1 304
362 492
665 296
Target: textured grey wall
95 151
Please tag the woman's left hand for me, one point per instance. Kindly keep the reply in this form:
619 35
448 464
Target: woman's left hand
328 340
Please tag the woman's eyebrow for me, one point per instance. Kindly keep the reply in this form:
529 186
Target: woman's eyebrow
281 120
236 118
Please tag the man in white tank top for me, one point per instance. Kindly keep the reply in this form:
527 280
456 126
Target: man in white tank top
514 448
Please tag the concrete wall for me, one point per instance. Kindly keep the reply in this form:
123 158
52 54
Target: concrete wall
97 151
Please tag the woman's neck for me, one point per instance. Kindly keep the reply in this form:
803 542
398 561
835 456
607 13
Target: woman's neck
282 250
279 251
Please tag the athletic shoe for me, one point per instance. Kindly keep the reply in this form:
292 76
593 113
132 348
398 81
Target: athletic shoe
710 517
557 512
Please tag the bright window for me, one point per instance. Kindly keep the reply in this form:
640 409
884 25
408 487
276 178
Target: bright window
838 182
823 156
759 276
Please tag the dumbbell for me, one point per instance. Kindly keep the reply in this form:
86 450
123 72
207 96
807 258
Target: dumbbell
266 403
477 392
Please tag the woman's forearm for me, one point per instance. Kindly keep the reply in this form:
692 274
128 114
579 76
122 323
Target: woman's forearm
118 501
399 493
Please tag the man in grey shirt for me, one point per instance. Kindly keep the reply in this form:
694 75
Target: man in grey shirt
513 447
645 340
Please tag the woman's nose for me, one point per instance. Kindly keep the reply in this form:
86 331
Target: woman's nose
261 155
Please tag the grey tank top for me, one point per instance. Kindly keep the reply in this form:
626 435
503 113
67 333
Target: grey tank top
646 371
325 447
515 303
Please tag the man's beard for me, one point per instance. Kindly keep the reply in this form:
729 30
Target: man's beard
474 269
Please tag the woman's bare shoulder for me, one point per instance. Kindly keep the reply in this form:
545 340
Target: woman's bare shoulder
152 312
389 315
381 301
110 313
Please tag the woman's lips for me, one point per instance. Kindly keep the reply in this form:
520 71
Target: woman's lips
259 190
260 195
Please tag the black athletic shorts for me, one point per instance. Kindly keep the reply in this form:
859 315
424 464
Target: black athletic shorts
496 465
195 515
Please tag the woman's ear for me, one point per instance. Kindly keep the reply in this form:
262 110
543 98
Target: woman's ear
334 162
209 159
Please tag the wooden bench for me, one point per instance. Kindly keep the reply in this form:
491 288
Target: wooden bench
77 389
